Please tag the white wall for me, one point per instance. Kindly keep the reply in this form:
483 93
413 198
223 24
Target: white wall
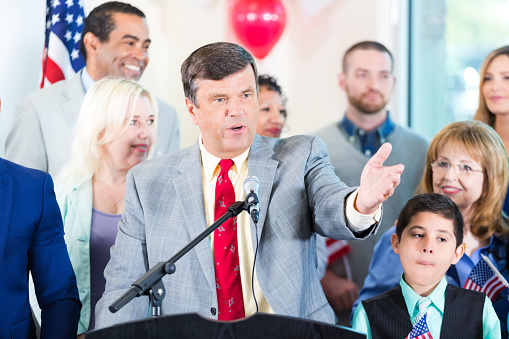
306 60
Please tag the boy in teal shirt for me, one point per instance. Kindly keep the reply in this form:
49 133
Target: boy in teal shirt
428 239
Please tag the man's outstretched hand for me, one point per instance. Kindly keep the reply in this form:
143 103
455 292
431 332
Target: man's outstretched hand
377 181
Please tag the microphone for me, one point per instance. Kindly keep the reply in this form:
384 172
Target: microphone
252 189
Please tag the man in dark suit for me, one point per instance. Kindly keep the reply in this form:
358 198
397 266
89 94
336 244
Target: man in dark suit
32 239
170 200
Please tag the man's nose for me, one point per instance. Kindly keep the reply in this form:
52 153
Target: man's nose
234 107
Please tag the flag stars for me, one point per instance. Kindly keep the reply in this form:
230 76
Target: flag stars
79 20
55 18
69 18
75 54
56 3
68 35
80 2
48 24
77 37
69 3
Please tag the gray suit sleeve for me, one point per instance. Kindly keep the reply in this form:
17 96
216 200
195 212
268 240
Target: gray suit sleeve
128 262
25 143
168 130
322 255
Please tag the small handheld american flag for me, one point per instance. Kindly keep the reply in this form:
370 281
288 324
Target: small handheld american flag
483 279
420 330
336 249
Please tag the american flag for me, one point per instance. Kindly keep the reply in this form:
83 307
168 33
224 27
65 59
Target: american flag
61 56
420 330
336 249
483 279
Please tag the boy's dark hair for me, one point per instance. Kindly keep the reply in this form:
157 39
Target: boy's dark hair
214 61
100 22
434 203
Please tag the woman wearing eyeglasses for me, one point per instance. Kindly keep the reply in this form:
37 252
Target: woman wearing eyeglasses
467 162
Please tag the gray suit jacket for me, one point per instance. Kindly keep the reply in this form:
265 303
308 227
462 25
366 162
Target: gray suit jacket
42 129
164 211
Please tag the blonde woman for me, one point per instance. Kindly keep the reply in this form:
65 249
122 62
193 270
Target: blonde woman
115 131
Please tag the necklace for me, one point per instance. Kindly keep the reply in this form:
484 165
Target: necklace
111 202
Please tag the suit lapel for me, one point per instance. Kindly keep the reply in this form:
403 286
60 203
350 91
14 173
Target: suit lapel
264 168
7 194
190 194
81 201
74 92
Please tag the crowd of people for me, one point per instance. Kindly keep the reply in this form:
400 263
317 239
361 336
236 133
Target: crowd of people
426 222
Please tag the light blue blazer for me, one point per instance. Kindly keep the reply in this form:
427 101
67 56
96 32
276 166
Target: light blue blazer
76 208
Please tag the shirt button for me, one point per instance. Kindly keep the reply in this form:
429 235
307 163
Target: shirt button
213 311
367 153
361 132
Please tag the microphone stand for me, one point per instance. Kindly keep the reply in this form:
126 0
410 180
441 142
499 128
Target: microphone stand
150 283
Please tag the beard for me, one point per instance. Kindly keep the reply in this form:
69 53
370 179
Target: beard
367 106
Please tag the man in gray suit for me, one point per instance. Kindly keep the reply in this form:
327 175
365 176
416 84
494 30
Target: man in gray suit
169 201
115 43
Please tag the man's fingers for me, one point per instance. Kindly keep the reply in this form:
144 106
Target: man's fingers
397 169
381 155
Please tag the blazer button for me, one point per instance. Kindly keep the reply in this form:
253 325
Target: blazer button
213 311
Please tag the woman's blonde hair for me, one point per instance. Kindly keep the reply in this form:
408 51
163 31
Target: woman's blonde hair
106 111
483 113
485 146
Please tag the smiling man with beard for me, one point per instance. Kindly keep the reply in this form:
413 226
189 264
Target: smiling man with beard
368 82
115 44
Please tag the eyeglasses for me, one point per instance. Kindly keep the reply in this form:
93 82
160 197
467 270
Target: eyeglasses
459 169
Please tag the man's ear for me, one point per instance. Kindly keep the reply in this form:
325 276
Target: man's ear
191 108
458 254
395 243
92 43
342 81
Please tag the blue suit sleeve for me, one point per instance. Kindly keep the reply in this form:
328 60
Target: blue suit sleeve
54 279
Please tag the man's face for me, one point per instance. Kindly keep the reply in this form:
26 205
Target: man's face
368 81
227 113
427 249
125 54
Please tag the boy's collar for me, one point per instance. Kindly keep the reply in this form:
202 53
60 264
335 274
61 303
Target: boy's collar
437 296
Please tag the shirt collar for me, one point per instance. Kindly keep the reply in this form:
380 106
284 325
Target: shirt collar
86 80
411 297
383 130
211 162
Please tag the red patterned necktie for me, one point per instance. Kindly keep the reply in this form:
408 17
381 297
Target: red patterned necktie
228 284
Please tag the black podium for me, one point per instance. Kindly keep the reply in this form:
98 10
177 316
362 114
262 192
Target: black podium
260 325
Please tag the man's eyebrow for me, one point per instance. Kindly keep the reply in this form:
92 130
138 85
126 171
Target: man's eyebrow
217 95
128 36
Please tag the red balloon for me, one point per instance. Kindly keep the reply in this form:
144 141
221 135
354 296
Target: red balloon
258 24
